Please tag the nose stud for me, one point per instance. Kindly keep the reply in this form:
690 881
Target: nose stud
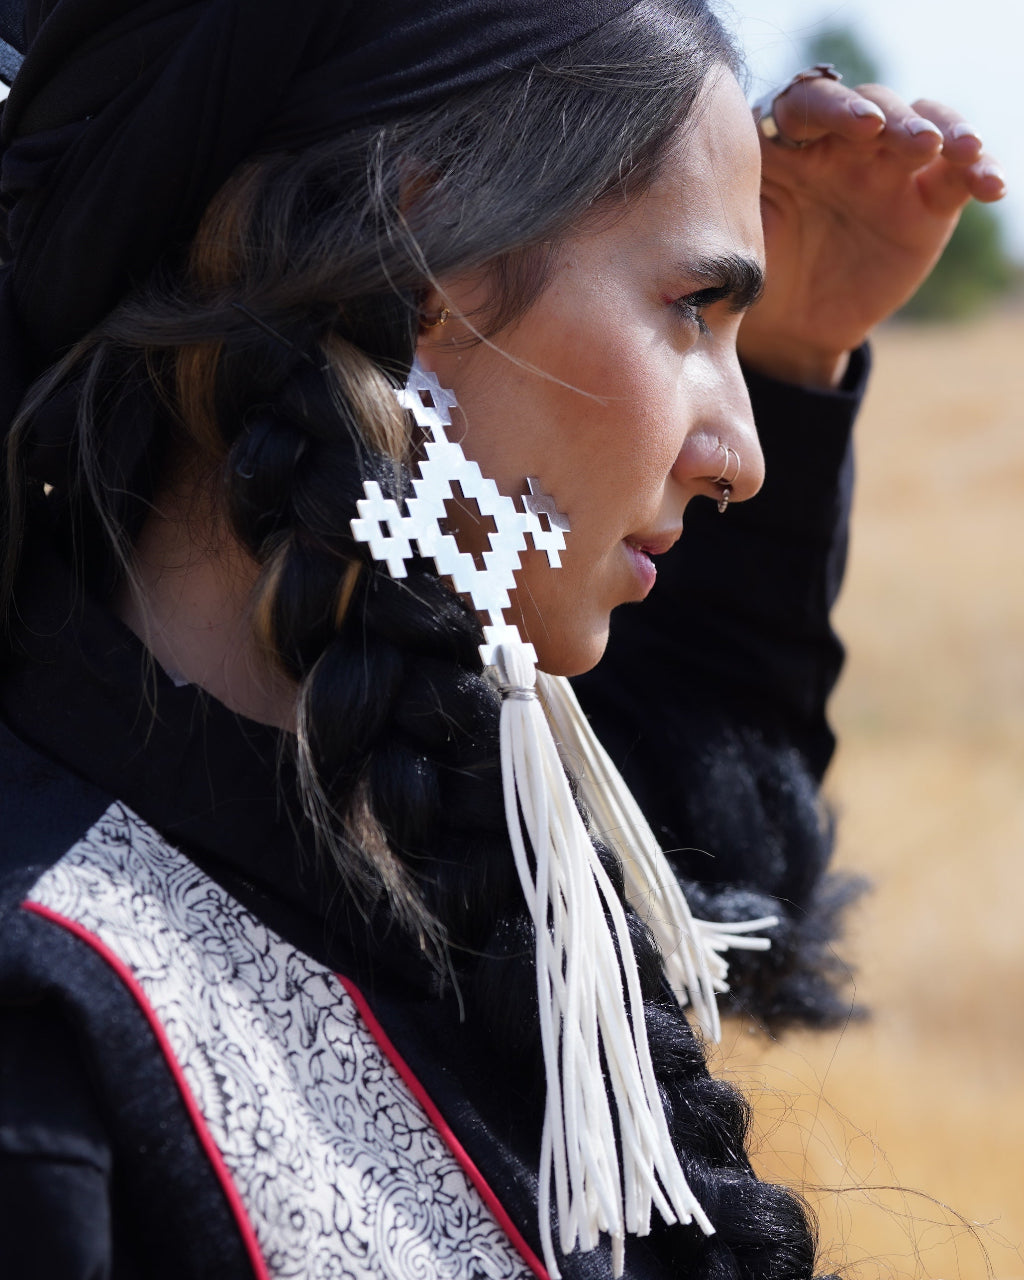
723 479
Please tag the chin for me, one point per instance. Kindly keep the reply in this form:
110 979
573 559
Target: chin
575 653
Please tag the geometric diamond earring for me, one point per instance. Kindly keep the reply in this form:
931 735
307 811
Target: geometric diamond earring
422 521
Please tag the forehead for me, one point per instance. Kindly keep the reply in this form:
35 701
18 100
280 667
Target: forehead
707 191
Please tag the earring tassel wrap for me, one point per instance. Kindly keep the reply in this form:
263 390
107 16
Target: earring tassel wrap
590 1004
692 948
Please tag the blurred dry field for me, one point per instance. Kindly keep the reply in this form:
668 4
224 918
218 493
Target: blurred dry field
929 784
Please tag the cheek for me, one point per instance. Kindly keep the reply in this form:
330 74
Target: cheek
608 463
642 431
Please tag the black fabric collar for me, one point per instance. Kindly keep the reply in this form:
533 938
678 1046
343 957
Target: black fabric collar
91 697
218 786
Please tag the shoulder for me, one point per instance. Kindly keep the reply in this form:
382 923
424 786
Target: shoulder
46 810
86 1085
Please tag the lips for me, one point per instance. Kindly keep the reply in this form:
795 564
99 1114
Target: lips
656 545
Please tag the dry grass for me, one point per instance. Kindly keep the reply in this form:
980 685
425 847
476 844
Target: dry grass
930 1095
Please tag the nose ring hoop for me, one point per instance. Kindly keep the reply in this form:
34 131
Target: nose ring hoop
723 479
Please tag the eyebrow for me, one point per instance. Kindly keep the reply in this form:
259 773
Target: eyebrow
740 279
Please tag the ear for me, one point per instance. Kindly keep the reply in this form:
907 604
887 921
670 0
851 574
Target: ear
448 311
435 327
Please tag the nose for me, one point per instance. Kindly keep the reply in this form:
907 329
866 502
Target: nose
721 448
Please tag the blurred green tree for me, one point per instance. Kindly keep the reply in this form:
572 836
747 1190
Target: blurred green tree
975 268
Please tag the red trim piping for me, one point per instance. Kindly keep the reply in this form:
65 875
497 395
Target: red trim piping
245 1227
451 1141
206 1139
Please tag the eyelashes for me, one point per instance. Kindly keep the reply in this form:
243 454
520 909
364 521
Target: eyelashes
693 306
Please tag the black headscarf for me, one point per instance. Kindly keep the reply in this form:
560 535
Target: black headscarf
126 117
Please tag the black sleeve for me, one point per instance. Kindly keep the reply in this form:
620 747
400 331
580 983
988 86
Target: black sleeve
712 699
55 1161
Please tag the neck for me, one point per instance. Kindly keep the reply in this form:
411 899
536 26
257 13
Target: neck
187 599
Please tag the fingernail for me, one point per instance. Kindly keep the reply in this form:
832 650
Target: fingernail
993 171
965 130
865 107
918 125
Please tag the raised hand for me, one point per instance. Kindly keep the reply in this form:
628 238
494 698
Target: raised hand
855 217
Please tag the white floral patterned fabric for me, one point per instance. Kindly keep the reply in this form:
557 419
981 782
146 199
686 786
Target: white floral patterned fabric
340 1169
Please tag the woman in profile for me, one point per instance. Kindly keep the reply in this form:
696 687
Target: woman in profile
280 990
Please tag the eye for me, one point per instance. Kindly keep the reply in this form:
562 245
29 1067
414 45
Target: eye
693 306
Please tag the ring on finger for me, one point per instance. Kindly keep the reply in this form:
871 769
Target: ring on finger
764 108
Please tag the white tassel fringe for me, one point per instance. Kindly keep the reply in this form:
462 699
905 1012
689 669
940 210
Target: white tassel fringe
692 948
587 1022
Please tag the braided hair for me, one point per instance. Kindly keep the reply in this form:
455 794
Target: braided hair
269 358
